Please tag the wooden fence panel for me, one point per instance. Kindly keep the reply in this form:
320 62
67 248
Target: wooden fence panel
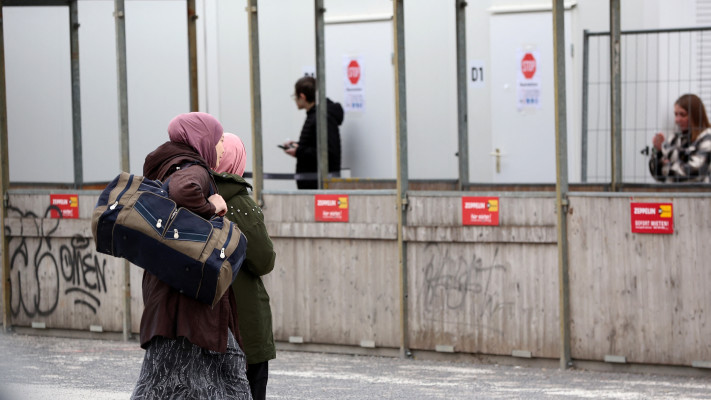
334 283
484 298
642 296
56 276
483 289
335 291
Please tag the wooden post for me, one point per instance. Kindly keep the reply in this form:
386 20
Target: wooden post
4 184
402 167
256 93
192 56
122 77
561 147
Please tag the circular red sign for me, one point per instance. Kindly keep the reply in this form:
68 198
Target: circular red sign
528 66
353 72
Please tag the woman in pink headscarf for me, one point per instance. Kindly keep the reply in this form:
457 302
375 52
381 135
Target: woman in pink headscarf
192 349
252 298
234 159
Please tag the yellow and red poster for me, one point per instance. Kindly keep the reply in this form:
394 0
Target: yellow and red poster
331 207
480 211
65 204
652 218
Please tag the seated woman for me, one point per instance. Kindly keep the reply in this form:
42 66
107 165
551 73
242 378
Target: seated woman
687 155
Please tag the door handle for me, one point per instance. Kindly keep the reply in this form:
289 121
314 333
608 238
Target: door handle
498 154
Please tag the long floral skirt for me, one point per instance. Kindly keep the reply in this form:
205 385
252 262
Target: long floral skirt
178 369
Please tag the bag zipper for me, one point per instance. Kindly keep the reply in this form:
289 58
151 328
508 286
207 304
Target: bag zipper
170 222
128 185
227 242
176 232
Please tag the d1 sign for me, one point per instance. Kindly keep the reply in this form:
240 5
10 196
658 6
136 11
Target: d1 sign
652 217
64 205
331 207
480 210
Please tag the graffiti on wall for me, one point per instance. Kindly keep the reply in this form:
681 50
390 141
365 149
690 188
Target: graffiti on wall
453 282
40 267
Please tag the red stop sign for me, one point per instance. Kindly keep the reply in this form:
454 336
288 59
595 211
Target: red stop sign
528 66
353 72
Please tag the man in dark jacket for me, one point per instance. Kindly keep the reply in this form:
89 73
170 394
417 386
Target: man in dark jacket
305 150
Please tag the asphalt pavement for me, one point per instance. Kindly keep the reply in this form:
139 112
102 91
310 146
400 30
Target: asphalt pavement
51 368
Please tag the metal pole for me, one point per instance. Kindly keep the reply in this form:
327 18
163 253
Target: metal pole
321 121
584 131
255 84
4 184
402 177
192 56
462 93
122 77
76 93
561 180
616 96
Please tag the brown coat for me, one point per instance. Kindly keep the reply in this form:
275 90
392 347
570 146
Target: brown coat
166 312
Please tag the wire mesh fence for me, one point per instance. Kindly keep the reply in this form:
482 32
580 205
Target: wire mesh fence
657 67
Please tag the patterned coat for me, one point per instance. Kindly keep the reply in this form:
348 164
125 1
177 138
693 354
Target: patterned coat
683 161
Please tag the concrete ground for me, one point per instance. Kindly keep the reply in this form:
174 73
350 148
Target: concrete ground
40 367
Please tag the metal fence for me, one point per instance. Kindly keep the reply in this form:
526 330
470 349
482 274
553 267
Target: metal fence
657 66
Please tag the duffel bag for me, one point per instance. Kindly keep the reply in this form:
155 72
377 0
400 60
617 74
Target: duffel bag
135 219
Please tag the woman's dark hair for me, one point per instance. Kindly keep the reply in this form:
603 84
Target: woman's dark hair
307 86
698 121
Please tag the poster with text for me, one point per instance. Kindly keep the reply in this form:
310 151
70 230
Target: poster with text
480 211
528 82
331 207
64 205
353 84
652 218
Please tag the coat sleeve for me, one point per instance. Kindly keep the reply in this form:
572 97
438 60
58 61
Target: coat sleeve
307 139
190 188
659 161
693 162
260 256
678 162
655 165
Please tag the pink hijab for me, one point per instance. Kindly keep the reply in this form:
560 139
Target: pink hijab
234 159
198 130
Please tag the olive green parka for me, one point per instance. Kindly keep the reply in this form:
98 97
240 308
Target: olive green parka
253 311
